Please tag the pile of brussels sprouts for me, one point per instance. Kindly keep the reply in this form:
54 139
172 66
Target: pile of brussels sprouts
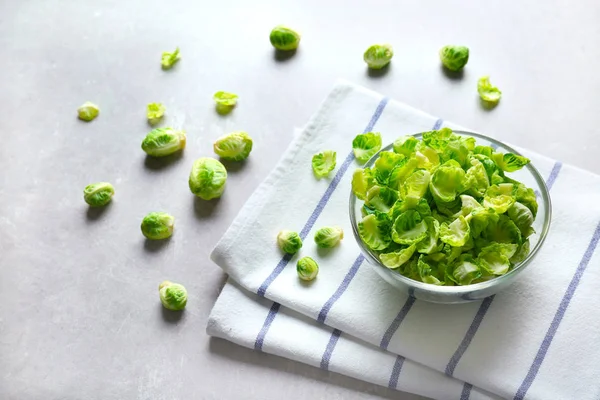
442 210
208 177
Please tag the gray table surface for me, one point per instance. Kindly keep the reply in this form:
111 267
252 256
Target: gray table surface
79 310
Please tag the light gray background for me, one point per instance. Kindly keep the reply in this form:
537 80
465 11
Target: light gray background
79 311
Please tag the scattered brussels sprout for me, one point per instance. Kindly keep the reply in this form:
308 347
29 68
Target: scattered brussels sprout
161 142
378 55
366 145
207 179
488 93
284 38
158 225
225 101
323 163
235 146
307 268
289 241
442 210
88 111
155 112
98 194
170 58
329 236
173 296
454 57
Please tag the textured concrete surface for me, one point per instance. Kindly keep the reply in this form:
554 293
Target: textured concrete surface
79 311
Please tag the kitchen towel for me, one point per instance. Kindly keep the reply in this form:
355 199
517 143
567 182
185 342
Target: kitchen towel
535 340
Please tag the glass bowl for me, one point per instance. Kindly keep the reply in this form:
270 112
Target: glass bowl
462 294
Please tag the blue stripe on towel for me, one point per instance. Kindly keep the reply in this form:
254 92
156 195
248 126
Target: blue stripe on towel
335 335
341 289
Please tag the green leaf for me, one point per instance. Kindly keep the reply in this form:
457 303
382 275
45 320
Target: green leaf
381 198
374 230
526 196
455 233
366 145
405 145
362 181
503 231
323 163
510 162
465 270
522 217
447 181
409 228
430 243
170 58
477 181
396 258
384 165
499 197
402 170
236 146
488 93
416 184
495 258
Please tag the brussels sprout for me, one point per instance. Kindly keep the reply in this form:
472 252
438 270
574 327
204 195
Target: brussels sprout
234 147
378 55
207 179
169 59
488 93
161 142
225 101
88 111
365 145
155 112
454 57
98 194
328 236
284 38
323 163
289 241
307 268
173 296
158 225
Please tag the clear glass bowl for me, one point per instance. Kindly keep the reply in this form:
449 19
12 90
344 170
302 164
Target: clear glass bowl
462 294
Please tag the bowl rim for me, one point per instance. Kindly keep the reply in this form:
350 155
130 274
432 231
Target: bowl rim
544 194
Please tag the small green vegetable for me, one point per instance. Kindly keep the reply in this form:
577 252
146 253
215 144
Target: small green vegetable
170 58
161 142
378 55
454 57
329 236
207 179
307 268
88 111
488 93
173 296
98 194
284 38
155 112
158 225
366 145
234 147
323 163
289 241
225 101
442 210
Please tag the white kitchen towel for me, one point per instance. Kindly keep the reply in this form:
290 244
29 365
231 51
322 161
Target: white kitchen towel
536 339
238 315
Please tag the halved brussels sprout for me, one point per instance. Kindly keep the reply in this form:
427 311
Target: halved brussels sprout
155 112
235 146
98 194
225 101
173 296
323 163
289 241
170 58
284 38
488 93
161 142
307 268
374 230
378 56
454 57
158 225
207 179
329 236
88 111
365 145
